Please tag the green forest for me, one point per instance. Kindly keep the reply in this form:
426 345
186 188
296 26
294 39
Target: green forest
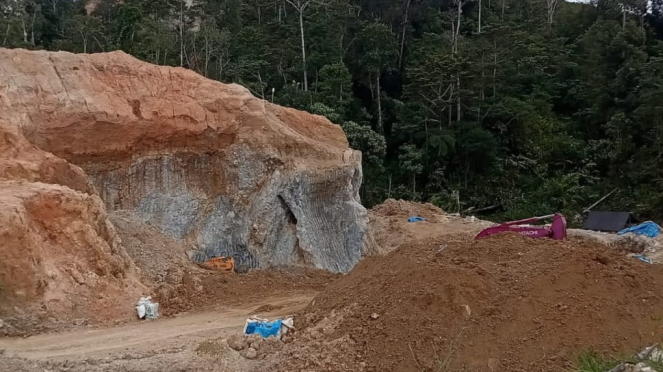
510 108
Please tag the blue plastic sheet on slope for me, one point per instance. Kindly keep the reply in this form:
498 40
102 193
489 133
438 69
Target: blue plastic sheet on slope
644 259
650 229
416 219
265 329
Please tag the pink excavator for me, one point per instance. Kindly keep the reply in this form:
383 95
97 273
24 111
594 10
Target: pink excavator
556 230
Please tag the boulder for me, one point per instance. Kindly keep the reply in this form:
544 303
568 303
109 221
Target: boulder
237 342
204 161
250 353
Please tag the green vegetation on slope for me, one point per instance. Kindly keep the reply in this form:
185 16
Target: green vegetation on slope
520 107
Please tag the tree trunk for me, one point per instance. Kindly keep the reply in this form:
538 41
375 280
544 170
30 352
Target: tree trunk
451 88
479 16
495 75
503 5
84 41
623 17
414 184
377 82
181 33
99 44
426 140
482 94
458 103
400 55
32 28
220 66
389 187
458 115
301 31
552 6
258 6
460 13
262 86
207 54
451 107
4 41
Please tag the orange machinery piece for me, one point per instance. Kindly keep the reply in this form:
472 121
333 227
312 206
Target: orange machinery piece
220 263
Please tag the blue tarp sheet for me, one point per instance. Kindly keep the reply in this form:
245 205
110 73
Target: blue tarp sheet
416 219
265 329
650 229
644 259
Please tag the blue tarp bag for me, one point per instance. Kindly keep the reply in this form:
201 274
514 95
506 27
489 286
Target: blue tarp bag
416 219
650 229
265 329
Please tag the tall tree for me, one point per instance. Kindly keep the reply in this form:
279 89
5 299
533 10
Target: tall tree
378 52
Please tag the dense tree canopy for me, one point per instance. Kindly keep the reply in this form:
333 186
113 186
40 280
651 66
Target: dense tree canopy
516 107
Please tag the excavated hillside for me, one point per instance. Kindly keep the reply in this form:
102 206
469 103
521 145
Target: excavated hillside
115 174
205 162
60 257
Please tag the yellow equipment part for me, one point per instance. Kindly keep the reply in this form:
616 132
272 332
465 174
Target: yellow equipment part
220 263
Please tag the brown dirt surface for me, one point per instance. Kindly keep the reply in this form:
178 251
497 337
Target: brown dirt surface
266 308
507 303
200 290
404 208
160 257
389 226
190 342
109 116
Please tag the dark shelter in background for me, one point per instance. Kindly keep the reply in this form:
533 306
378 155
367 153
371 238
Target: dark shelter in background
609 221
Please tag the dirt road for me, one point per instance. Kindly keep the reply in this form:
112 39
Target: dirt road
161 345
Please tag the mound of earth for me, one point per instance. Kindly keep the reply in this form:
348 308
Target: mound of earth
507 303
201 290
203 161
389 226
61 260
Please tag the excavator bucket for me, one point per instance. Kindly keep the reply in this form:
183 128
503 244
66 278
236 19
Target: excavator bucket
558 227
220 263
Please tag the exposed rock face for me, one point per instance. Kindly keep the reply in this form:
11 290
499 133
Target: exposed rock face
58 250
204 161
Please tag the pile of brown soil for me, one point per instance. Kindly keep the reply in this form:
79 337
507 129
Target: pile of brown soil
404 208
202 289
507 303
389 226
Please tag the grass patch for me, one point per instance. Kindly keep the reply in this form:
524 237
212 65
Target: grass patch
655 364
592 361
